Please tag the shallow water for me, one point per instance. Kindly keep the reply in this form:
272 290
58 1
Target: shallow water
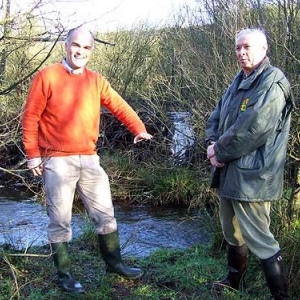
23 223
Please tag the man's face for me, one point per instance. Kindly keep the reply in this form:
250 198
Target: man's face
250 51
79 49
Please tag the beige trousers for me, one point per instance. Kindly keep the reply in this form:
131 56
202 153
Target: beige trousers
82 173
248 222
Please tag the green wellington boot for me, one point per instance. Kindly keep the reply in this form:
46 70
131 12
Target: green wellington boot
62 263
111 253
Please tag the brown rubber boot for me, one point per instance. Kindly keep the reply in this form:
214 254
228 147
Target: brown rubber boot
237 261
275 276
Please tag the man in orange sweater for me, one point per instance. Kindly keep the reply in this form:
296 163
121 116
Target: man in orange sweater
60 129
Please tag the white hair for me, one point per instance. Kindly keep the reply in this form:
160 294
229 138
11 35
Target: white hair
260 34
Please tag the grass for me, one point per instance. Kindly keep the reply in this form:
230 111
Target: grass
142 181
169 275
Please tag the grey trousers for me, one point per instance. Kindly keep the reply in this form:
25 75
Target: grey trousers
82 173
245 222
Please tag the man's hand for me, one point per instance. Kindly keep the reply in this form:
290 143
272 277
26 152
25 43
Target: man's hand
36 166
210 152
214 162
211 155
142 136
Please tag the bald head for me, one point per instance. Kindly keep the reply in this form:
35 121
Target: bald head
79 46
79 31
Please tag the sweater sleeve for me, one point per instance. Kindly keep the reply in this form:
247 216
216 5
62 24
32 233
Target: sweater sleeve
31 115
121 109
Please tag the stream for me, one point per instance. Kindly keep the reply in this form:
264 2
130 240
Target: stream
143 230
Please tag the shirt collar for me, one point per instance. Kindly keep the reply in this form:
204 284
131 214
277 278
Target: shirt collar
69 69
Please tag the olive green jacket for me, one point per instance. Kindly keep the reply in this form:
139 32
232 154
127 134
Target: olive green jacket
250 126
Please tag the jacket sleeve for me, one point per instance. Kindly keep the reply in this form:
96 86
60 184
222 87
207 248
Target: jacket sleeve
121 109
212 124
252 127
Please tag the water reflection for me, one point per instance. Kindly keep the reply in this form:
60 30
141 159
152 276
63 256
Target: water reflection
142 229
145 230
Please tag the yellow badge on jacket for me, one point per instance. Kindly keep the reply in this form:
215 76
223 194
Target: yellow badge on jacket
244 104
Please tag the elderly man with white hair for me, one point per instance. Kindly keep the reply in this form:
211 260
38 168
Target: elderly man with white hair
246 138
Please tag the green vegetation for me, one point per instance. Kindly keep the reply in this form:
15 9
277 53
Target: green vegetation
181 68
169 275
160 185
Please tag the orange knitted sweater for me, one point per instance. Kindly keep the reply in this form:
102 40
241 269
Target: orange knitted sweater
62 112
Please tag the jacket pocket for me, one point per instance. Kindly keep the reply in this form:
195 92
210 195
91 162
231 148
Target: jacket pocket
251 161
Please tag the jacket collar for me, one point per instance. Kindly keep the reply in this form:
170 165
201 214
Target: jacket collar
247 81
